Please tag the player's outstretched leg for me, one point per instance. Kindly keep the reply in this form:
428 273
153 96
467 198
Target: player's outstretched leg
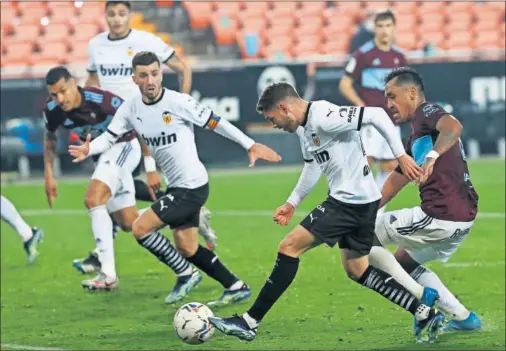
462 318
144 230
356 264
31 236
285 269
235 289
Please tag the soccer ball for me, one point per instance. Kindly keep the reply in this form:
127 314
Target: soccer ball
191 323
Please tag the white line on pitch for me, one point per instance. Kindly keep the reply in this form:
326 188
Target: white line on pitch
27 347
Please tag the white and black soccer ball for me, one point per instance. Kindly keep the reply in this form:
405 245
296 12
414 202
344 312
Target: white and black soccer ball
191 323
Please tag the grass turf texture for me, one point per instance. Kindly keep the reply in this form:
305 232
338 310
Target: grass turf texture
44 305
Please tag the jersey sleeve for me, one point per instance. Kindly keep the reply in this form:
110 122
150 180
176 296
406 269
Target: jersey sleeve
160 48
91 59
120 123
193 111
111 102
354 66
339 119
52 116
407 147
432 114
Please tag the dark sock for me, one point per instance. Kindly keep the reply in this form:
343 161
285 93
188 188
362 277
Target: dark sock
208 262
161 247
114 226
384 284
280 279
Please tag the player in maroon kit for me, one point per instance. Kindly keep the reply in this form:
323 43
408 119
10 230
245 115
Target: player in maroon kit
434 230
367 68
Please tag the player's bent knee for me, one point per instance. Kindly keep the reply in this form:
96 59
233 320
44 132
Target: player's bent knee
186 249
139 229
288 247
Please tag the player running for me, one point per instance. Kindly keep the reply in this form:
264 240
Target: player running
110 66
165 120
367 68
31 235
435 229
329 137
88 111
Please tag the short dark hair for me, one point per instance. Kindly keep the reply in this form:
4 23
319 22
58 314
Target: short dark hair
144 58
273 94
384 15
114 3
57 73
406 75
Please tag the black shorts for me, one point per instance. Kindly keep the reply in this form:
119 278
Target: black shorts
349 225
180 207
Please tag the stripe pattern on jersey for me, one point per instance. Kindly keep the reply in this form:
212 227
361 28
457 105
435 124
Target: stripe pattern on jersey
410 229
93 97
120 161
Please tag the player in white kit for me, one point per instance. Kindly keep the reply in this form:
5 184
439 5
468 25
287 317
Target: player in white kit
331 144
31 235
110 67
165 120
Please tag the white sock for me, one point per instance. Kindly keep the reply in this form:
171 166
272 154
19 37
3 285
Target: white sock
101 225
447 301
383 259
237 285
252 322
14 219
187 271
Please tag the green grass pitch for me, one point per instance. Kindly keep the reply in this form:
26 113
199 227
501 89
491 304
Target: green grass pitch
44 305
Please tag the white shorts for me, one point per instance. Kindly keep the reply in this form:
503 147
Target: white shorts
425 238
114 168
374 144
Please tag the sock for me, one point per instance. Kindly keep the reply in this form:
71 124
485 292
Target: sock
447 301
101 225
383 259
142 191
384 284
280 279
381 178
14 219
161 247
210 263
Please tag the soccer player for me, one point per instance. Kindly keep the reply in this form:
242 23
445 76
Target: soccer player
367 68
111 189
165 120
330 139
110 66
31 235
435 229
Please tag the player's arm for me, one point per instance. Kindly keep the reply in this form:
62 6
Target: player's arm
92 79
183 71
346 88
395 182
154 181
50 143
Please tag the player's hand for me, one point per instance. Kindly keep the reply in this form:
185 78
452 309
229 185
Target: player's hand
427 168
154 183
409 167
51 190
262 152
80 152
284 214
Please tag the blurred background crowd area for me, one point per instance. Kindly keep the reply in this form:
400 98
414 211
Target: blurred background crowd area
40 34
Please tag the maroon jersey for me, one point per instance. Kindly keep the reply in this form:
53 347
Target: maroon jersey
368 67
448 194
92 117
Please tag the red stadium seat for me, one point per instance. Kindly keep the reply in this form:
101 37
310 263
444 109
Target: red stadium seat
56 31
33 15
63 14
337 46
406 22
22 5
337 29
85 31
431 23
407 40
255 24
199 13
455 7
256 8
307 44
225 30
279 30
28 32
87 11
160 3
375 6
273 20
486 39
401 7
349 8
284 8
7 15
312 7
56 51
228 8
307 21
435 38
458 22
459 40
427 7
18 51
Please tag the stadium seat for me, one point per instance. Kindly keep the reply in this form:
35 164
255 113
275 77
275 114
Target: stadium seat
275 21
87 11
224 30
199 14
311 24
312 7
430 7
33 15
455 7
307 44
160 3
431 23
63 14
22 5
406 22
230 9
52 51
280 8
137 19
407 40
435 38
458 40
256 8
460 21
337 46
337 29
79 48
28 32
280 42
279 30
85 31
254 24
56 31
7 15
401 7
18 51
486 39
375 6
